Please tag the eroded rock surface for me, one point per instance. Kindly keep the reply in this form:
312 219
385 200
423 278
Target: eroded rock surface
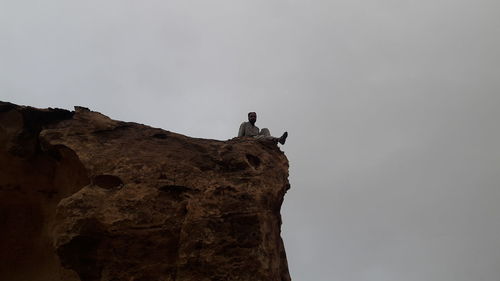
84 197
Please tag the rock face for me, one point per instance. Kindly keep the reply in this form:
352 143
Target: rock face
84 197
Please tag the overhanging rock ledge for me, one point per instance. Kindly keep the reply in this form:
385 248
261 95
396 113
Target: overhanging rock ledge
84 197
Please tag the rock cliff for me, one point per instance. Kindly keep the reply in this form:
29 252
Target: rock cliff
84 197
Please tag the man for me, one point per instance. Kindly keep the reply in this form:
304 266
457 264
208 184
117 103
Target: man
248 129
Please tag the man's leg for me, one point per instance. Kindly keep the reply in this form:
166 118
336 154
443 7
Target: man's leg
266 134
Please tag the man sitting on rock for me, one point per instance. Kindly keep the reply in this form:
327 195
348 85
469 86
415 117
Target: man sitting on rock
248 129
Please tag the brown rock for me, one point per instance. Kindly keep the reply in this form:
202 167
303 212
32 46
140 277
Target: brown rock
84 197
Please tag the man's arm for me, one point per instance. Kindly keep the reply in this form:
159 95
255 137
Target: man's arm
241 132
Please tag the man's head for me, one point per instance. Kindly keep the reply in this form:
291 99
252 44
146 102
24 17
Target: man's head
252 117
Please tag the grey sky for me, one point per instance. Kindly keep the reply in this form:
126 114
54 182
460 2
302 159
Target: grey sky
392 110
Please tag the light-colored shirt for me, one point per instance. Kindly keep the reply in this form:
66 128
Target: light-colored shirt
248 130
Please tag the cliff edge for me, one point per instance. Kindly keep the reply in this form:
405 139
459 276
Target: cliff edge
87 198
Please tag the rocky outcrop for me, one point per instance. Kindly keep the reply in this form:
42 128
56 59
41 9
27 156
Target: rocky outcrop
84 197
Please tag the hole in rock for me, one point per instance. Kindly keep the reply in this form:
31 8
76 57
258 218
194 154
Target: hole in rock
81 255
160 136
107 181
175 191
253 160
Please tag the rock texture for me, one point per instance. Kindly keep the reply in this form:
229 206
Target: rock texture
84 197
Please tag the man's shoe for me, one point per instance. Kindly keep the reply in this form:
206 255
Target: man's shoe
282 139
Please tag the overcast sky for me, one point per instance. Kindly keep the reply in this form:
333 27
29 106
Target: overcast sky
392 107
